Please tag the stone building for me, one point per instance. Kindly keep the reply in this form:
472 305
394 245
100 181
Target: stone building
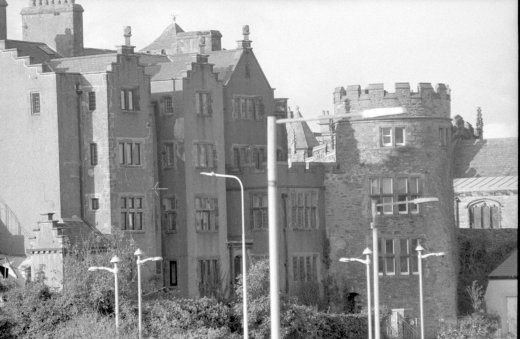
116 139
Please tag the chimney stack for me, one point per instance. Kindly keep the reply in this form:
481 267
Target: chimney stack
3 20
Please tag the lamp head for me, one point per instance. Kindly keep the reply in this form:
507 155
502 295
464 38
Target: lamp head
419 248
367 251
138 252
345 259
115 259
92 269
209 174
156 258
423 200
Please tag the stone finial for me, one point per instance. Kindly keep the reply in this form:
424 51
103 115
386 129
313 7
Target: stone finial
127 33
245 32
480 124
202 44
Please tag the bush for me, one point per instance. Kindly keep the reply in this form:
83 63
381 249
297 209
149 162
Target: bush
478 325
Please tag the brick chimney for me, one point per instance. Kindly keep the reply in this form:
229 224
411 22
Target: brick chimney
3 20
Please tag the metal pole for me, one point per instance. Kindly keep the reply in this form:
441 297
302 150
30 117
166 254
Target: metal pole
369 308
419 259
375 266
244 265
116 298
273 222
139 291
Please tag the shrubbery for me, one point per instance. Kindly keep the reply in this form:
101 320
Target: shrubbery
85 306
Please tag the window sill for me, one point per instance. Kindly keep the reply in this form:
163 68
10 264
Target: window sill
135 231
207 232
130 111
130 166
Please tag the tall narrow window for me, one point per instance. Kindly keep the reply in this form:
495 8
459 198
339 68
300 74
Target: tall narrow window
35 103
168 155
258 211
94 204
91 101
405 255
170 213
132 213
386 256
209 276
386 136
303 209
203 103
173 273
399 136
484 214
93 154
168 104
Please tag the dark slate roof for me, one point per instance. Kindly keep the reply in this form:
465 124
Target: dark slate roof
485 158
165 40
84 64
485 184
305 138
508 269
224 63
37 51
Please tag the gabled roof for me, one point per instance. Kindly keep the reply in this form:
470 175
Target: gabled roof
302 133
508 269
85 64
37 51
224 63
485 184
166 39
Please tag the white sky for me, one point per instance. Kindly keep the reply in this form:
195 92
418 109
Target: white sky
308 47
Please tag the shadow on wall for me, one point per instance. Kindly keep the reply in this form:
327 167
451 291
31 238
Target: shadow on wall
12 235
64 42
463 154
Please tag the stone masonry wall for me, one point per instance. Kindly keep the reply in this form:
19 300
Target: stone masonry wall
360 157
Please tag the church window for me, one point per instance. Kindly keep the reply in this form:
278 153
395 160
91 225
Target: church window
485 214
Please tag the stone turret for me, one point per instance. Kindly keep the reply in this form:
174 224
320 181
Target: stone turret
58 23
3 20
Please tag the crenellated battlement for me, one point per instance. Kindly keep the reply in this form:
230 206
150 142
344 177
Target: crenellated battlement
426 101
36 3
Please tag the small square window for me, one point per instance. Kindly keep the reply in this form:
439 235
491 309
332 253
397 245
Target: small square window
94 204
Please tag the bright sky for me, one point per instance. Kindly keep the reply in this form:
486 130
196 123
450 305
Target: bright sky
309 47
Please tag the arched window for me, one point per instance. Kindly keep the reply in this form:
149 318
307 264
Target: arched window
484 214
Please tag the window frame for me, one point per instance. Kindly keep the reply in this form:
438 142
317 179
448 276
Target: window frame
94 156
390 132
170 210
203 103
305 267
258 212
173 273
205 155
204 213
35 100
169 154
91 101
129 99
127 149
132 208
303 209
413 190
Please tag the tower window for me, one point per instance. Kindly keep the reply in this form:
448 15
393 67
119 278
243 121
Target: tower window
399 191
93 154
130 99
393 136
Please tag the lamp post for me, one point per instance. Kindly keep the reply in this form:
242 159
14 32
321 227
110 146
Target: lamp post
366 252
375 266
244 261
272 197
115 260
421 256
139 262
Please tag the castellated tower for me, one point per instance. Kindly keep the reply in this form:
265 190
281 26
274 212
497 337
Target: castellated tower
394 159
58 23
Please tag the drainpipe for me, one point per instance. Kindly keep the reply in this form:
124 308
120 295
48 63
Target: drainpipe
285 244
79 91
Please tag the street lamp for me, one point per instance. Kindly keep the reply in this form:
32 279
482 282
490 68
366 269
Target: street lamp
421 256
115 260
375 267
244 261
366 252
272 197
139 262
